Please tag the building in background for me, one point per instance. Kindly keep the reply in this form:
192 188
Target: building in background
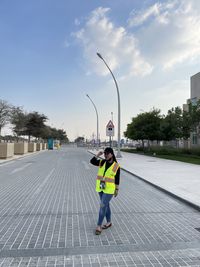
194 97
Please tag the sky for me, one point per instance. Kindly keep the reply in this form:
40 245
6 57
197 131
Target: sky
48 60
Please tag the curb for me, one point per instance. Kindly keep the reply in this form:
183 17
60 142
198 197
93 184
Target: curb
185 201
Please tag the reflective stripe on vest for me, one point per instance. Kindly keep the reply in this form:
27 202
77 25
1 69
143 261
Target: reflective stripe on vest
105 179
115 167
108 178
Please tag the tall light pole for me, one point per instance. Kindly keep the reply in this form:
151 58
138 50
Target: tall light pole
119 115
112 122
97 120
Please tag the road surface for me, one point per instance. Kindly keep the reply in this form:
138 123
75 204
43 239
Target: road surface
49 209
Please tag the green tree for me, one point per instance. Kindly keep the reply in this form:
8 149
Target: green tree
18 119
35 124
46 132
63 136
172 124
194 113
79 139
54 133
59 134
5 109
186 125
146 126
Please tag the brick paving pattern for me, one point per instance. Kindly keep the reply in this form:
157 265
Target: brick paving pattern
49 211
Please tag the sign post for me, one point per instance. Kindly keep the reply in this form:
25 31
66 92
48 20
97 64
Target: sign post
110 130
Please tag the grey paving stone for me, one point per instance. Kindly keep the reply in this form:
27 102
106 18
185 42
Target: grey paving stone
50 209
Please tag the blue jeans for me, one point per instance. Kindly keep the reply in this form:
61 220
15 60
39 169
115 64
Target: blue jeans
104 210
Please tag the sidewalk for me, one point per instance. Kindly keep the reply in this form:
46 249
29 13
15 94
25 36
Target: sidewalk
177 178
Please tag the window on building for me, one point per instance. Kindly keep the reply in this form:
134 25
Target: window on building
193 101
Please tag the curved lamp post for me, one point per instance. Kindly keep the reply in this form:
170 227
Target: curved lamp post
118 142
97 120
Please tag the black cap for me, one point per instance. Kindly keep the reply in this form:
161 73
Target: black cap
108 150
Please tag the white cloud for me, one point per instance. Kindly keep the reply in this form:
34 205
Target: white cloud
118 47
77 22
162 36
170 32
137 18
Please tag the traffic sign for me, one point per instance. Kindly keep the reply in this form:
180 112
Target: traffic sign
110 129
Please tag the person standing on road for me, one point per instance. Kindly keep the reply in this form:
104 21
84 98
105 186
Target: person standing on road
107 185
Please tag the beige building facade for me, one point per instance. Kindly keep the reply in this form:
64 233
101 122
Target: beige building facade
194 97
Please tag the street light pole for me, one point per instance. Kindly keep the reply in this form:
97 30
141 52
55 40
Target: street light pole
97 120
119 115
112 122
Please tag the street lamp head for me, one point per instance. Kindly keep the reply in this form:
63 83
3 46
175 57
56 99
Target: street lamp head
99 55
87 95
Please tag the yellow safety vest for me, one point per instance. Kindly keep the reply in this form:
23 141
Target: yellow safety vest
108 178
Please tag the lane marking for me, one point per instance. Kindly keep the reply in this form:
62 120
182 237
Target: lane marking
36 192
21 168
44 182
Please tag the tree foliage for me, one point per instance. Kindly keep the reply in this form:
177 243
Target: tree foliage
5 109
175 125
59 134
146 126
34 124
18 119
194 114
172 124
28 124
79 139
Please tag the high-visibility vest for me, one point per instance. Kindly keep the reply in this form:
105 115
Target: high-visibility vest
108 177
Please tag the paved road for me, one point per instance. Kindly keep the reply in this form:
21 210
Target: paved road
49 211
